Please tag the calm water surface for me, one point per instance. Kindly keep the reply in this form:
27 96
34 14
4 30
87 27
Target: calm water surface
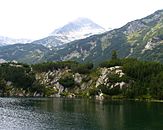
78 114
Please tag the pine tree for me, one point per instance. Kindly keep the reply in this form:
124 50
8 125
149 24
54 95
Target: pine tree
114 55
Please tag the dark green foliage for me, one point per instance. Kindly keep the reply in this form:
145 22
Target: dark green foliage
111 63
114 55
41 89
93 92
83 68
114 78
2 85
37 87
136 90
141 70
156 86
144 79
146 76
4 89
109 91
50 66
67 81
19 74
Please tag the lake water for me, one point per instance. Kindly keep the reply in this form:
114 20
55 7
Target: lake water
78 114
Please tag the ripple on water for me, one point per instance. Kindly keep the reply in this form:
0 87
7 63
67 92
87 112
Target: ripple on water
18 116
74 114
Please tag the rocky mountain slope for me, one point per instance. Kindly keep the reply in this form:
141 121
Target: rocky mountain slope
26 53
142 38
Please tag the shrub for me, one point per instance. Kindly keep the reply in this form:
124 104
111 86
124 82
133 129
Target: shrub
109 91
111 63
67 81
93 91
83 68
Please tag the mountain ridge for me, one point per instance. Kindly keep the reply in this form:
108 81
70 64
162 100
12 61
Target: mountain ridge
134 39
8 41
141 38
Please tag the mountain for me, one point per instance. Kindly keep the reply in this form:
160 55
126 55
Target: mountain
8 41
77 29
50 42
26 53
142 39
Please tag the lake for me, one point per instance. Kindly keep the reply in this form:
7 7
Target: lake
78 114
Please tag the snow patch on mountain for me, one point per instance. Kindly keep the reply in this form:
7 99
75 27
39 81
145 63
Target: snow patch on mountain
9 41
78 29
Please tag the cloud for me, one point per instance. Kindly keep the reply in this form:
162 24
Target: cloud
38 18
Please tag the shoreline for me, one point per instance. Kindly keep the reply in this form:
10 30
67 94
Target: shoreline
103 100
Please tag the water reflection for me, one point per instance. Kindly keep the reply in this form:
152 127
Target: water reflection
86 113
78 114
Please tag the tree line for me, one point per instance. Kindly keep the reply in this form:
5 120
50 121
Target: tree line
145 78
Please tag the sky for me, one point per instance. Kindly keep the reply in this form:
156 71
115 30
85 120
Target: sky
34 19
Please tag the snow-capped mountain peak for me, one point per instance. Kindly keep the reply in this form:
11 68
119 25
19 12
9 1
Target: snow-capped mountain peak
77 29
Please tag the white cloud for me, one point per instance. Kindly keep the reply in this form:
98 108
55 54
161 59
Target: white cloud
37 18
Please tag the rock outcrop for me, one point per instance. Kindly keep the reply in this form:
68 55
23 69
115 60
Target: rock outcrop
83 83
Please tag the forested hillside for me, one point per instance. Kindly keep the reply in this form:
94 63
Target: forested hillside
115 78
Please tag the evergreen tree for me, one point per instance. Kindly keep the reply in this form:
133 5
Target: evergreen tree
114 55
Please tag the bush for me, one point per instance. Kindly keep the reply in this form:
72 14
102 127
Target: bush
67 81
114 78
93 92
83 68
20 75
109 91
111 63
50 66
2 85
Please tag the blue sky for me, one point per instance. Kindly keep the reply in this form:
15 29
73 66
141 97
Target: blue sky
35 19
